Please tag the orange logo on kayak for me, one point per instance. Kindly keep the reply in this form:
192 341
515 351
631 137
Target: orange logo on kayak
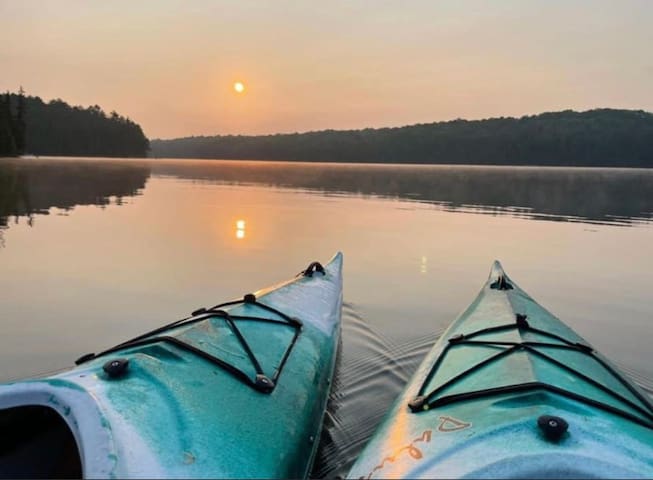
447 424
450 424
412 450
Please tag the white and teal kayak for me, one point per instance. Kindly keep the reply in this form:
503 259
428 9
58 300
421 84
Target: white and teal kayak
509 391
237 390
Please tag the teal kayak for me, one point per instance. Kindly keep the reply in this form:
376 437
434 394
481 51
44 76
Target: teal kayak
509 391
236 390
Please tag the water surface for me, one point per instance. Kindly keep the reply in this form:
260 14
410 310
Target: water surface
93 252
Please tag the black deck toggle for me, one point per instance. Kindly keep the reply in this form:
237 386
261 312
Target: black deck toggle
521 321
553 427
312 268
263 384
459 337
501 284
418 404
116 368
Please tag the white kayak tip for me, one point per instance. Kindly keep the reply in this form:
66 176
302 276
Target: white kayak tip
497 269
336 261
332 267
498 279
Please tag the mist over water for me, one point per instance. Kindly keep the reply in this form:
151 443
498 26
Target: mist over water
591 195
93 252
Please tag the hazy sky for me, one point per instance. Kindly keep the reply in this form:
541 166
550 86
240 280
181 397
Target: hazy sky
306 65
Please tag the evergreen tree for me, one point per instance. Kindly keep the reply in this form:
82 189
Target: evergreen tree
7 140
56 128
19 122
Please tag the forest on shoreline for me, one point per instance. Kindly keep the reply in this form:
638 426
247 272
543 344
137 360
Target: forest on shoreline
28 125
600 137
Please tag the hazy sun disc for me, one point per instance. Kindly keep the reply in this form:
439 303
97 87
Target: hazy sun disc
239 87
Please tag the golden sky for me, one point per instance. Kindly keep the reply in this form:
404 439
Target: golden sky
170 65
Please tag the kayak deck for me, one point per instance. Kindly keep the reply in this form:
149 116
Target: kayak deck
560 362
238 390
510 391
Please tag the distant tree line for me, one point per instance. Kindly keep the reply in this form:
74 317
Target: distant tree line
12 124
601 137
28 125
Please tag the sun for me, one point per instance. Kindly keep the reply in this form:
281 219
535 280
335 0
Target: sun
239 87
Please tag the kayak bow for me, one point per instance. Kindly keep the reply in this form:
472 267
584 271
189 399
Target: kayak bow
509 391
237 390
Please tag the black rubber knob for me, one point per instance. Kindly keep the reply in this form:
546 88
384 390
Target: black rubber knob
264 384
116 368
553 427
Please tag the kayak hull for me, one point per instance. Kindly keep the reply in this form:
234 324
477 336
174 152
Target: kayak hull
472 408
175 413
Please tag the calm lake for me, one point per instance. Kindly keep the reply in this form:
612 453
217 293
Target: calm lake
95 251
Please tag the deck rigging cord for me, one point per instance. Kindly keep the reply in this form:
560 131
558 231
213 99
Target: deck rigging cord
425 401
261 382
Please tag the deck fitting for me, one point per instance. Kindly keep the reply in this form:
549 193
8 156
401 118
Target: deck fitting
116 368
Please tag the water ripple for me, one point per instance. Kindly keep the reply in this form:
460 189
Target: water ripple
371 373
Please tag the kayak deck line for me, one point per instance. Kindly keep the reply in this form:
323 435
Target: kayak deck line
261 382
424 401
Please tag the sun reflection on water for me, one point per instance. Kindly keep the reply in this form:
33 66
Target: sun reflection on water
240 229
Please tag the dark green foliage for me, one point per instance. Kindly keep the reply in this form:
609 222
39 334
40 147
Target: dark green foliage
12 131
56 128
20 129
602 137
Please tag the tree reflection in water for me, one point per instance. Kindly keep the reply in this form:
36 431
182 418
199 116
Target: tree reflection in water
30 187
589 195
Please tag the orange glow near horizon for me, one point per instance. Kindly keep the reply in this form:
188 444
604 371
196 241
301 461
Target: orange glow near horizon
238 69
